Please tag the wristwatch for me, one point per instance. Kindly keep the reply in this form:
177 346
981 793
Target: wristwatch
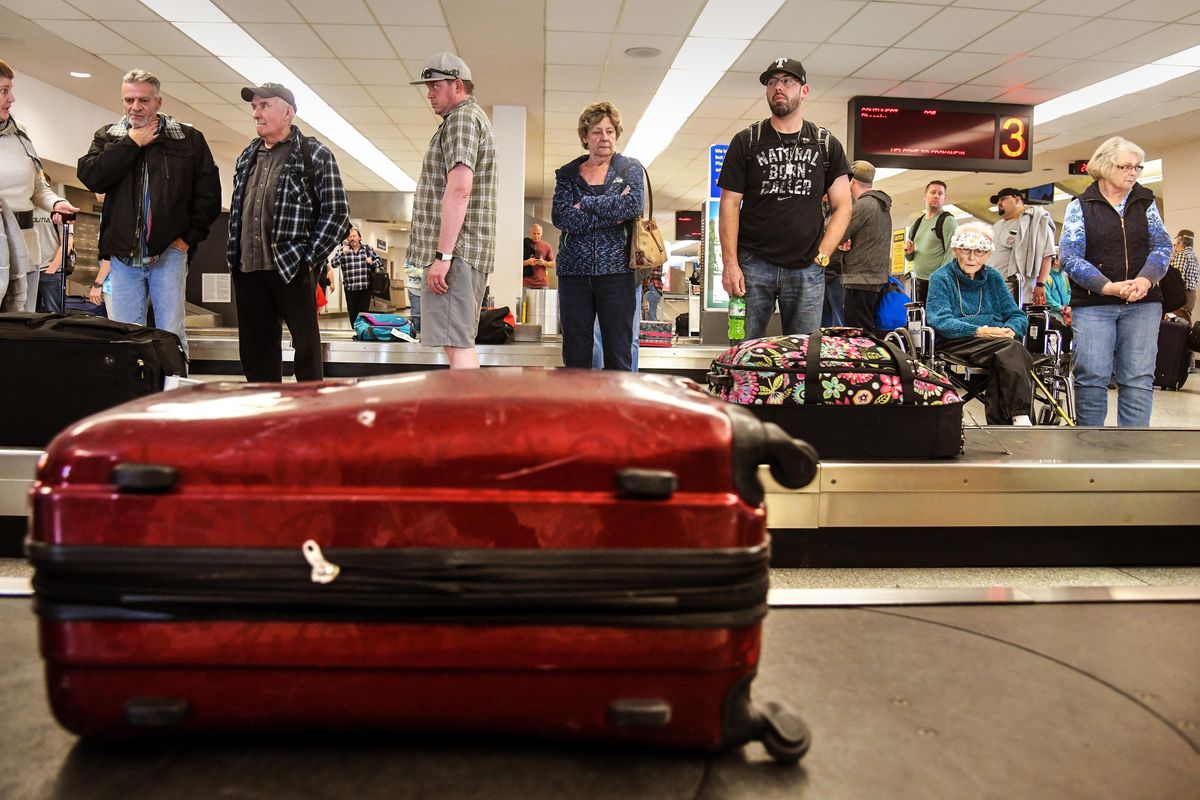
97 285
822 259
440 256
1040 284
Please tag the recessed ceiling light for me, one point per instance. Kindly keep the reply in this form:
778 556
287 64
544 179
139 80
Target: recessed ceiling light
81 74
643 52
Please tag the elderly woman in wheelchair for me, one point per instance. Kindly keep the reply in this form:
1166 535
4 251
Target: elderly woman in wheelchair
980 325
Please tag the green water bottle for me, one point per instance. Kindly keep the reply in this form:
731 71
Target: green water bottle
737 319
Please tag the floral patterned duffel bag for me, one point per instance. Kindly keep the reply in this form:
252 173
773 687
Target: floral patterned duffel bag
863 398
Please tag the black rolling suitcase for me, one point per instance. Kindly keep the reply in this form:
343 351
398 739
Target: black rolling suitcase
63 368
1171 369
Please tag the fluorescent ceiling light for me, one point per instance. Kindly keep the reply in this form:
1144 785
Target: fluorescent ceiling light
717 39
210 28
81 74
882 173
1135 80
957 212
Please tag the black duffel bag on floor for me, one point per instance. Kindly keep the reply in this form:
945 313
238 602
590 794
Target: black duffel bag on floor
61 369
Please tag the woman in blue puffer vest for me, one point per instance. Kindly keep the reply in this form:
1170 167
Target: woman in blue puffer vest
596 196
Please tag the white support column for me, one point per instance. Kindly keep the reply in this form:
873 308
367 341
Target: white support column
509 125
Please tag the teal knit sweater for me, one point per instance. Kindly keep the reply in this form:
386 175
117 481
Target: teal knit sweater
958 305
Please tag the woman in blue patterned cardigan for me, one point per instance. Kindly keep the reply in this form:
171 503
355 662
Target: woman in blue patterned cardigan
596 196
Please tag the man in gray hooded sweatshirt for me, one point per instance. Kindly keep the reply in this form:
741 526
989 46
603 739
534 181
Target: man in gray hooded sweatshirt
867 263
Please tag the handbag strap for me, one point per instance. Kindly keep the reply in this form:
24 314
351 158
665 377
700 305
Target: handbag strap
649 194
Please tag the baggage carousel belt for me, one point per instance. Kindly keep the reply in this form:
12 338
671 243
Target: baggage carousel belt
1063 701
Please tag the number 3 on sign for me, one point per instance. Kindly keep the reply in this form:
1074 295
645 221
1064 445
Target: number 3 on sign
1014 144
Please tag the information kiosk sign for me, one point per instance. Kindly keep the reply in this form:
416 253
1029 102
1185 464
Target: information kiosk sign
918 133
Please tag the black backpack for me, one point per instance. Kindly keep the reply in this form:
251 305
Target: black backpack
821 135
1174 293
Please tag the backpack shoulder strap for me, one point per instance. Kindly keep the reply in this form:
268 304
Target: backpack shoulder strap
939 225
912 234
823 135
310 175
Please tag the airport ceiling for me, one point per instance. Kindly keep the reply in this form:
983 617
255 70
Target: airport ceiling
555 56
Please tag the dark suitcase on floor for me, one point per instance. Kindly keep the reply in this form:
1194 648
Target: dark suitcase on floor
862 399
81 306
1171 366
62 368
534 553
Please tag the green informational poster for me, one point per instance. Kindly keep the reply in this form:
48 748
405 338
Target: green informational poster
715 296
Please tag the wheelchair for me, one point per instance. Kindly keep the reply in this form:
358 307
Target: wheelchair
1053 360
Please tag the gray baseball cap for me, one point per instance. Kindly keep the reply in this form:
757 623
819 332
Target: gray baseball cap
441 67
270 90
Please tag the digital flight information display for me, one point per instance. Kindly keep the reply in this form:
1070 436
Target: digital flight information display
918 133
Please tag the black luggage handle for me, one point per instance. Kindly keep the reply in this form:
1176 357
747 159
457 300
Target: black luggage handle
720 380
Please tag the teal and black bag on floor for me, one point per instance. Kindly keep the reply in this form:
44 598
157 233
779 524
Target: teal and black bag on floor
383 328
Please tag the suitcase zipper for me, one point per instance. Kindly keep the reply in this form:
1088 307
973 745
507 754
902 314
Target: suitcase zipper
322 570
656 588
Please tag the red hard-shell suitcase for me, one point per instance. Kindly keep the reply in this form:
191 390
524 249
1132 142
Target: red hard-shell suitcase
519 552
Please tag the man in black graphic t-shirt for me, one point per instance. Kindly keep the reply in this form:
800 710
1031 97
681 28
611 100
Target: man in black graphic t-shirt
774 241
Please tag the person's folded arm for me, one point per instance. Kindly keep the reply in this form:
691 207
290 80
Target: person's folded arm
563 213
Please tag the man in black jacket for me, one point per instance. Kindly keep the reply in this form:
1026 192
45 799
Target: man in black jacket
162 192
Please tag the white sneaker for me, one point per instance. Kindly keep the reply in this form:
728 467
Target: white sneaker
1022 419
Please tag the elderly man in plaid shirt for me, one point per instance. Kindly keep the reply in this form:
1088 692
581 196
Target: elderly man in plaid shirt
288 213
1184 260
356 260
454 212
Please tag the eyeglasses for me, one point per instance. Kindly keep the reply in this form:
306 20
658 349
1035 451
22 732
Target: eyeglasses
975 253
1131 168
786 81
429 72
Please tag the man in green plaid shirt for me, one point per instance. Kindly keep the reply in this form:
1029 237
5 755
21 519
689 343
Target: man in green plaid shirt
454 212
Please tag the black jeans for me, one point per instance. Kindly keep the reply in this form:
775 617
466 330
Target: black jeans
583 299
860 302
263 299
358 301
1010 387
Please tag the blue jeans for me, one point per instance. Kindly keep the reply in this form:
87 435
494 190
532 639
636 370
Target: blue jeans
163 282
414 312
49 292
584 301
598 344
833 314
652 297
1120 340
800 293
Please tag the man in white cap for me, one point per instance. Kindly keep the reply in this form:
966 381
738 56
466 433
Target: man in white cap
454 212
775 244
288 213
1024 238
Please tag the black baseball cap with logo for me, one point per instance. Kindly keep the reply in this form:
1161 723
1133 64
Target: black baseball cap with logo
270 90
1010 192
789 65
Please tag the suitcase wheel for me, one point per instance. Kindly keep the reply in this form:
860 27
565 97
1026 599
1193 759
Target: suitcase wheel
785 736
